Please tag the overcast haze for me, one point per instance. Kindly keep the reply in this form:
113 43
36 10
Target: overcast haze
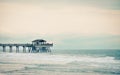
70 24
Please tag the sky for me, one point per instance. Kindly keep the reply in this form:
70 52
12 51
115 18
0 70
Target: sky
69 24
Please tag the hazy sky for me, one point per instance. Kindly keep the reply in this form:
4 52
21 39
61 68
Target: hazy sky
68 23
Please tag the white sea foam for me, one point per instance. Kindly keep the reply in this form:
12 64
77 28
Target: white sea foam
50 64
36 58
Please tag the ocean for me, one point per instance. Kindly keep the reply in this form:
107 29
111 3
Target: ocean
61 62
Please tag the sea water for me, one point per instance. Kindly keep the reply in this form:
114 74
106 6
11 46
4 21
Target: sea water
61 62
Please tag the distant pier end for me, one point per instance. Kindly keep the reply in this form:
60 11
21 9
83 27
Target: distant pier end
38 45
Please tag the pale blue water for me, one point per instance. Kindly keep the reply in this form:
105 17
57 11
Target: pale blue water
88 52
65 62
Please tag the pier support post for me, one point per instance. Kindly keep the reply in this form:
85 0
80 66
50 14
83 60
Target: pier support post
24 49
4 48
29 49
17 49
49 50
46 49
10 48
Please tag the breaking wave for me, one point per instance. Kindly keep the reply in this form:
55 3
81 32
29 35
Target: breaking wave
44 63
52 59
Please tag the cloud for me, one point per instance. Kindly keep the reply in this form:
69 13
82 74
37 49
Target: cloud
40 19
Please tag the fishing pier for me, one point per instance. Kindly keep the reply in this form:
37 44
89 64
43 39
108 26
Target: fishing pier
37 46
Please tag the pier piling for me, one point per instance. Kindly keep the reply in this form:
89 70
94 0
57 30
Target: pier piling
24 49
4 48
10 48
17 49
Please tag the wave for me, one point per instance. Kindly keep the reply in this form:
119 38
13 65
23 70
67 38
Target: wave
38 63
36 58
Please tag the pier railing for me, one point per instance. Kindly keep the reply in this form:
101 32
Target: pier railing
45 44
15 44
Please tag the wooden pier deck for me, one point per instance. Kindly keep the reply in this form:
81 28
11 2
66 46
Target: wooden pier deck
17 47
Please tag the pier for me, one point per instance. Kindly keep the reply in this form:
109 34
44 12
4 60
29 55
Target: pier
38 45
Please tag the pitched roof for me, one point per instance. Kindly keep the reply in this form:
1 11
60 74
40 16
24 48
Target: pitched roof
39 40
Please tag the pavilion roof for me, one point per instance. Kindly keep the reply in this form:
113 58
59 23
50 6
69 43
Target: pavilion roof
39 40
